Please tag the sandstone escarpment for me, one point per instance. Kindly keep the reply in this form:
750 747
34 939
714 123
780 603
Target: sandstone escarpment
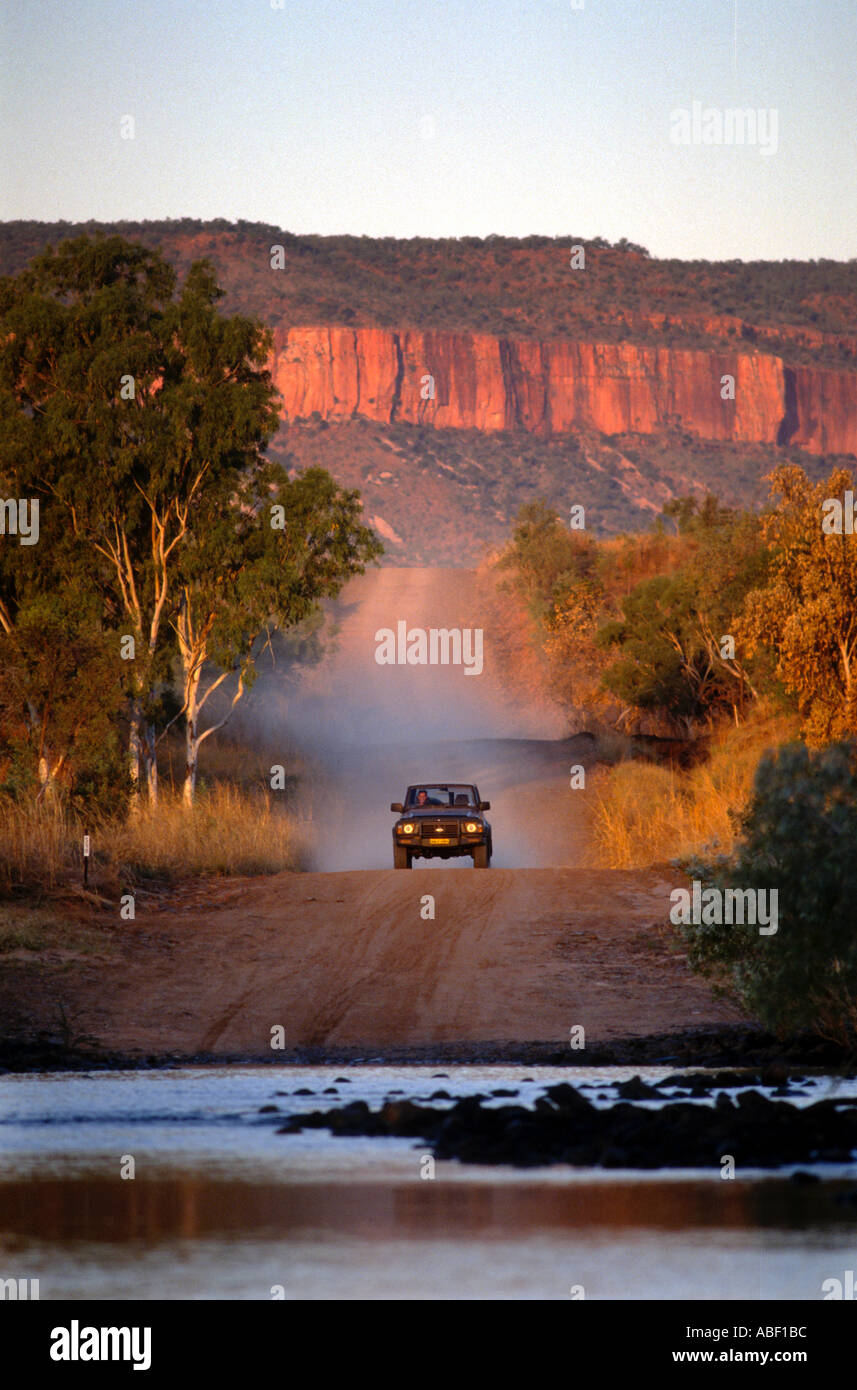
479 381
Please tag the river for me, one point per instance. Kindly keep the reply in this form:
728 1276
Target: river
221 1206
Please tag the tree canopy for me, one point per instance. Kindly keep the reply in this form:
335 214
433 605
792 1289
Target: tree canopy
807 610
137 414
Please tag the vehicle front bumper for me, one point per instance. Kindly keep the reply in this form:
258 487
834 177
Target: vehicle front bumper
424 845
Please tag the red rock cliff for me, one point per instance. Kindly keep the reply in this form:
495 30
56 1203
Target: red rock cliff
488 383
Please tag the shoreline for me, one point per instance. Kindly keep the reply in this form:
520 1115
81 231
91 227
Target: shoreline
695 1048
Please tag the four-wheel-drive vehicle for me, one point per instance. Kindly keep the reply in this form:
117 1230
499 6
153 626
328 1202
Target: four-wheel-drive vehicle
441 820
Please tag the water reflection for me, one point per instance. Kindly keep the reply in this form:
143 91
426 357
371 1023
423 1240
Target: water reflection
193 1205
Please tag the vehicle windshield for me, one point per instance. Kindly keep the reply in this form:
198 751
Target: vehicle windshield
446 794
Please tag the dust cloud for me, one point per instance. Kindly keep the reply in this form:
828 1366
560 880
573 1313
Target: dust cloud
370 730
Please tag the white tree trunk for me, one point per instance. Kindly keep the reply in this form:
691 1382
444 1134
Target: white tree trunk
151 766
191 757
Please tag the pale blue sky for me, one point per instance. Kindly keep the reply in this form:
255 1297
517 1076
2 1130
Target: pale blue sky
416 118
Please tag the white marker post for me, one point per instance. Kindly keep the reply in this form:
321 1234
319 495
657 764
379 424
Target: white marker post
85 860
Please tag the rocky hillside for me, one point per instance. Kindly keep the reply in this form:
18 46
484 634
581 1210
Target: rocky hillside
452 380
477 381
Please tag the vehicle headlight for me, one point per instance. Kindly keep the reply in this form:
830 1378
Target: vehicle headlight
472 827
408 828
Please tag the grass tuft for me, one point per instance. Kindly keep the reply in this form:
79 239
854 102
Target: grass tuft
643 813
229 831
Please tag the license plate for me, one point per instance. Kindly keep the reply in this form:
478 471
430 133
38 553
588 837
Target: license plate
440 842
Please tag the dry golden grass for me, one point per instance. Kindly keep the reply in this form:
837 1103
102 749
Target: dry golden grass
229 831
37 846
642 813
237 826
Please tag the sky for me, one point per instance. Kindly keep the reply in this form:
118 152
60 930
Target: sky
463 118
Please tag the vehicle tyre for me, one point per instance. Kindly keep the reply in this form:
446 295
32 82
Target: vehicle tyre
401 857
481 857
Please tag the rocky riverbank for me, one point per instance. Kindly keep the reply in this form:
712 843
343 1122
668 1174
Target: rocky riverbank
564 1126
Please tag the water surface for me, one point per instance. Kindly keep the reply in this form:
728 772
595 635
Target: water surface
221 1206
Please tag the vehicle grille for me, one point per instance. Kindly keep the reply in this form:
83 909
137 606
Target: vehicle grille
434 829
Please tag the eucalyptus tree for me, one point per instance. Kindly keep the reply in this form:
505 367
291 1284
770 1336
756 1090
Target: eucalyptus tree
125 402
260 560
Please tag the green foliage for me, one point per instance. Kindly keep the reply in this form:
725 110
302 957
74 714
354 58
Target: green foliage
136 413
798 834
670 637
548 560
122 405
256 561
61 695
664 664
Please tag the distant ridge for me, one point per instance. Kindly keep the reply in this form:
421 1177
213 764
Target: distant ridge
452 380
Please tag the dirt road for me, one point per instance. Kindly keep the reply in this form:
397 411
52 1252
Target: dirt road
349 955
348 958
